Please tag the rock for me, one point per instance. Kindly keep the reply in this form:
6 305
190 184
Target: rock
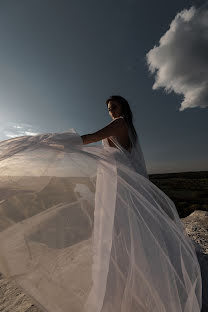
196 225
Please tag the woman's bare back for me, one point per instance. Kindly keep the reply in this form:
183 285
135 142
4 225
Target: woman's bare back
122 138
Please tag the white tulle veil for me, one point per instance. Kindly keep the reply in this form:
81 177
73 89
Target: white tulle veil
83 229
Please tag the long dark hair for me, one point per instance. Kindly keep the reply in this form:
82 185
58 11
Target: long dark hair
127 113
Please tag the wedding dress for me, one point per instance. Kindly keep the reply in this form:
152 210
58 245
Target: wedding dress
83 229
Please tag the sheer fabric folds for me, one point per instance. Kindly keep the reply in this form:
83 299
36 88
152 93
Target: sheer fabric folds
82 229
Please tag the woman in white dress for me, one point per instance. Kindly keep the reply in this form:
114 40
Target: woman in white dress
83 229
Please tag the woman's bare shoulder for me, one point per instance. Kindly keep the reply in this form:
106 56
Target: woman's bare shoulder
119 121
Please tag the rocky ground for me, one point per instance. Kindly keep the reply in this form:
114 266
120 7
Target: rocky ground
12 299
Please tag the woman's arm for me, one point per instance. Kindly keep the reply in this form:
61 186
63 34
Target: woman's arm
113 129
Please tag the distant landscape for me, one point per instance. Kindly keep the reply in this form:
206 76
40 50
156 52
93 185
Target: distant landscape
188 190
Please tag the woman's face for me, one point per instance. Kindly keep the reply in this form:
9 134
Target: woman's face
114 109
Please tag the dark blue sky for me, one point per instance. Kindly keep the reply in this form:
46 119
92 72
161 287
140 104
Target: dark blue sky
60 61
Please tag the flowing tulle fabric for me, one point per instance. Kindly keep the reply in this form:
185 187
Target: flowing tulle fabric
84 230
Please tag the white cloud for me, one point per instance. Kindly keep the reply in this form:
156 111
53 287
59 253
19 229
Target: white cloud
13 130
180 61
30 133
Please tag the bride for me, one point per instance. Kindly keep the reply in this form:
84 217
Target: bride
83 229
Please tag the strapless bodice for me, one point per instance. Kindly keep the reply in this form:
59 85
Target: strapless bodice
105 143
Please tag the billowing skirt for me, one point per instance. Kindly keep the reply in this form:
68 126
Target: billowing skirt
82 231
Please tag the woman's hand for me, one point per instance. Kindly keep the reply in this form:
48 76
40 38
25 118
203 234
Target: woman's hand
88 138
